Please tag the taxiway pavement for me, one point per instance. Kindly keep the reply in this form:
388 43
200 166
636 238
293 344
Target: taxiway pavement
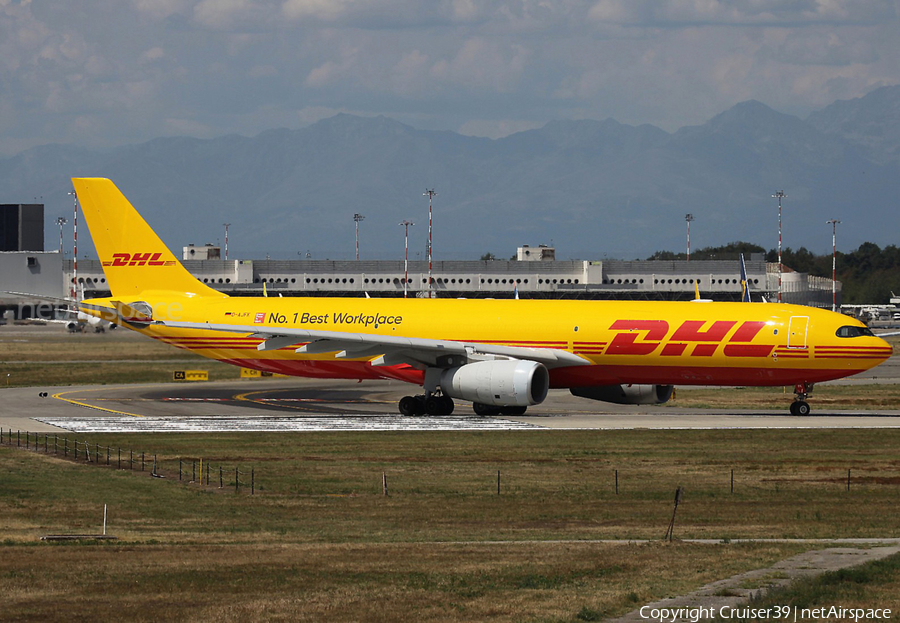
306 405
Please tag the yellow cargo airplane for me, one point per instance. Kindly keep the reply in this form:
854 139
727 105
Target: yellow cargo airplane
503 355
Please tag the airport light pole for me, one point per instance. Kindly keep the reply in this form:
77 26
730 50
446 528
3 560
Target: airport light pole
834 223
61 221
227 225
75 248
779 195
688 218
357 218
431 194
406 225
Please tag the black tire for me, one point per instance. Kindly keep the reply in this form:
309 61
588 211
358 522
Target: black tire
483 409
793 408
409 406
802 407
513 410
434 406
447 404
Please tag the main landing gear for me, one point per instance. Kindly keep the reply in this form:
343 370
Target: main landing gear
801 392
426 405
485 410
439 404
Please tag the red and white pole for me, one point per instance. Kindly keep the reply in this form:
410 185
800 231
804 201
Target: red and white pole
689 218
779 195
406 225
357 218
75 249
431 195
834 224
227 225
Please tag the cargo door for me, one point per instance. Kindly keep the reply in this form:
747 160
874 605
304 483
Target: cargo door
797 331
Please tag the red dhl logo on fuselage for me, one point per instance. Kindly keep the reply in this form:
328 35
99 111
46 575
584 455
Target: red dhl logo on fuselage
138 259
643 337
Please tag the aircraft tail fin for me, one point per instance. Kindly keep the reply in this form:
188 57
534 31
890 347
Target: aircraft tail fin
134 258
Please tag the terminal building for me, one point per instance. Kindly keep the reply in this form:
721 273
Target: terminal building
21 227
537 275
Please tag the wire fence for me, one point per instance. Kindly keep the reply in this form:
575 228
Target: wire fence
83 451
205 473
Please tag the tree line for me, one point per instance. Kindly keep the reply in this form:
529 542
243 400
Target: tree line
869 274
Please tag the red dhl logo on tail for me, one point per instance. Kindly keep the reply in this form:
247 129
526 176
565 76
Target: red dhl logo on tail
645 336
138 259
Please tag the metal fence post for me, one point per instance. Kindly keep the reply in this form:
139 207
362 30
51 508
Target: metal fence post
142 461
220 476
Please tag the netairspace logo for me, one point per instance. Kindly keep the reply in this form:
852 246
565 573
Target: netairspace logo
784 613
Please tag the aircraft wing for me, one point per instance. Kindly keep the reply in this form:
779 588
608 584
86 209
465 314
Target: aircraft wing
41 297
389 350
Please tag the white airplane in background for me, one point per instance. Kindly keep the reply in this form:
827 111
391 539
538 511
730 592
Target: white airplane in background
80 321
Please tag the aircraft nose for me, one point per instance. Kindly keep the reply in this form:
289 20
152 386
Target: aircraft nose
881 350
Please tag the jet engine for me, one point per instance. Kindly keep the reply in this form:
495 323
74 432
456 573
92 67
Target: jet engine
626 394
505 383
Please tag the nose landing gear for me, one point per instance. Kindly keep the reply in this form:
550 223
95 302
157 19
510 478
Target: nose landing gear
801 392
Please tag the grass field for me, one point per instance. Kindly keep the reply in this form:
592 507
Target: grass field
824 397
321 541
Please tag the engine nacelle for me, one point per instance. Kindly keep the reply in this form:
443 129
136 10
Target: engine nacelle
507 383
626 394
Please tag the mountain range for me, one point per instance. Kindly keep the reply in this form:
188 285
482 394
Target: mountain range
592 189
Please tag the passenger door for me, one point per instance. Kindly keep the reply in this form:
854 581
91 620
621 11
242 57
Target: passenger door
797 331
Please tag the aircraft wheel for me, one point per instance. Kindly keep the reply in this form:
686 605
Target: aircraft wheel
447 404
802 407
434 405
513 410
483 409
409 406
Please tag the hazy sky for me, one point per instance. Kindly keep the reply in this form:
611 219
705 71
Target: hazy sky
109 72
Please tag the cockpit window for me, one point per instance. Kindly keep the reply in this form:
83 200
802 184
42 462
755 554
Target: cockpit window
849 331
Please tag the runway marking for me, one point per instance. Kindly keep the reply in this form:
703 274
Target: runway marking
310 423
246 397
60 396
